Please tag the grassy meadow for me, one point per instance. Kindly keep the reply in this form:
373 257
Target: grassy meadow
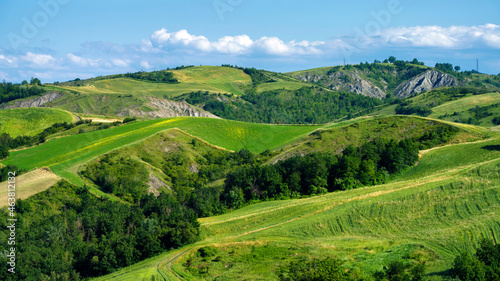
31 121
65 155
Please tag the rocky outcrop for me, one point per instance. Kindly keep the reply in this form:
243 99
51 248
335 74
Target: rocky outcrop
163 108
351 82
32 102
359 86
426 81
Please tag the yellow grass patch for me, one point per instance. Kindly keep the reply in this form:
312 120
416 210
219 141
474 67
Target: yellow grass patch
29 184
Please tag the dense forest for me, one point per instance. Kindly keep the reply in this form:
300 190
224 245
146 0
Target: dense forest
308 105
67 233
9 91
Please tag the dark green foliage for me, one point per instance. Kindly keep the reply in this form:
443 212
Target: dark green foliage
4 151
496 120
68 232
318 173
314 270
413 109
484 265
35 82
9 91
154 76
399 271
444 67
121 176
308 105
4 172
129 119
258 76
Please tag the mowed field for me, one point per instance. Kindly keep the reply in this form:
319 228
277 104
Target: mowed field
65 155
28 184
429 214
31 121
201 78
465 104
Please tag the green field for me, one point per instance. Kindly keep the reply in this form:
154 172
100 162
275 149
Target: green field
31 121
440 207
65 155
201 78
465 104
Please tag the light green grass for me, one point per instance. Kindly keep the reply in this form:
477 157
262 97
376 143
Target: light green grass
65 155
465 104
202 78
426 218
31 121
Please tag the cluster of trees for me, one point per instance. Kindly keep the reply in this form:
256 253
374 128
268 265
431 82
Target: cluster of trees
307 105
483 265
447 67
68 233
4 171
9 91
333 269
406 108
154 76
121 176
317 173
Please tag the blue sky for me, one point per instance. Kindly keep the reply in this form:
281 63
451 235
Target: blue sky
59 40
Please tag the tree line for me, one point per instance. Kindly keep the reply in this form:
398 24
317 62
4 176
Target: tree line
10 91
307 105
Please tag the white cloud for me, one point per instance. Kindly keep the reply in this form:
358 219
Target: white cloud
145 64
39 60
120 62
4 59
83 62
235 45
456 37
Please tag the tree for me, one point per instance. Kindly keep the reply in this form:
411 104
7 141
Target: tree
468 268
24 82
457 68
392 59
35 81
4 151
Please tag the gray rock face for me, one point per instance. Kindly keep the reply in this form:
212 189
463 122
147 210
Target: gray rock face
166 108
426 81
351 82
33 102
359 86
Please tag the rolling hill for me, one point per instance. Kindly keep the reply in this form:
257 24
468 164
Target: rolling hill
426 215
172 181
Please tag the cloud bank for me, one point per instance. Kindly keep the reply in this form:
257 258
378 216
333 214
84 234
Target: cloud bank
163 49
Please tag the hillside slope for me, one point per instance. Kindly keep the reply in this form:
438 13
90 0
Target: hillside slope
429 215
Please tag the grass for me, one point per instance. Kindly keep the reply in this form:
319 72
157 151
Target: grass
202 78
426 216
65 155
465 104
29 184
31 121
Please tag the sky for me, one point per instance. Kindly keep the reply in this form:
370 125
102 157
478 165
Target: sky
60 40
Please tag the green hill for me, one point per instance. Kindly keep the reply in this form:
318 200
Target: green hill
187 198
65 155
426 216
31 121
